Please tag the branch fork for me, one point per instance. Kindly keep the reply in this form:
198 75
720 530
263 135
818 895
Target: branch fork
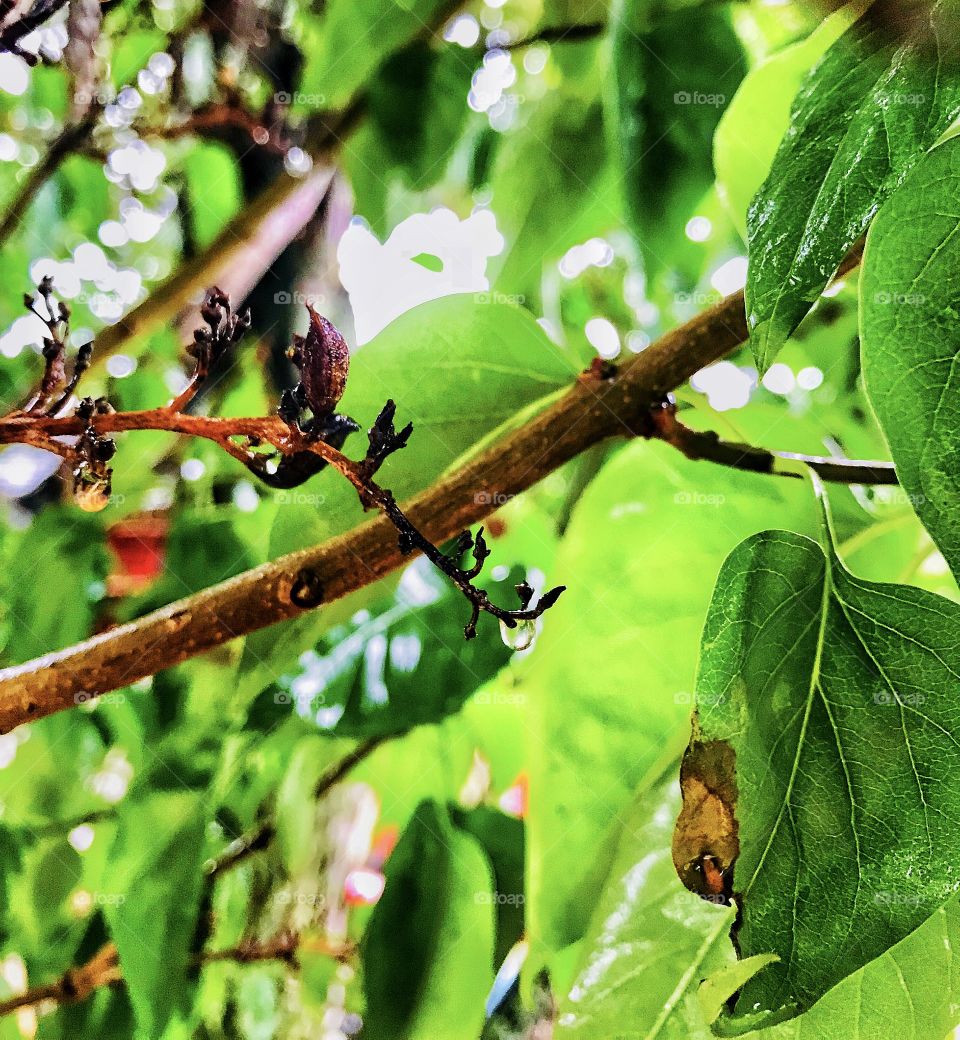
306 435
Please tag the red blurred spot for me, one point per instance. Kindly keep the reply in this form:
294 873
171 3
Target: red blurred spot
138 544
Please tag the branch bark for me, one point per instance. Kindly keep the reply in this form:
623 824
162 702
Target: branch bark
593 409
103 968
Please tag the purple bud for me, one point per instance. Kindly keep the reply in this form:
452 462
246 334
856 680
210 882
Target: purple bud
324 360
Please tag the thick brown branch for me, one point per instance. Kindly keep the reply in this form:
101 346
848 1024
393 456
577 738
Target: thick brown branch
74 985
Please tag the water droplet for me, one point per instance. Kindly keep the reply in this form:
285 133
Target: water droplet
521 636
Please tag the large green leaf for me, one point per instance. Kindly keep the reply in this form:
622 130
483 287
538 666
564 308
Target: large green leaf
418 107
669 99
820 771
552 184
428 950
213 188
909 302
611 676
650 946
862 119
650 941
52 579
757 117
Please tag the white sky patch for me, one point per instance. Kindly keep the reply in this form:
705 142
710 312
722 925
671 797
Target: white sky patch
809 378
726 385
14 74
384 280
121 365
136 163
731 276
490 81
24 468
603 337
596 252
25 331
81 838
780 379
464 30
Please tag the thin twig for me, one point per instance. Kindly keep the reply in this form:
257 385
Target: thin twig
262 834
64 144
553 34
103 968
707 446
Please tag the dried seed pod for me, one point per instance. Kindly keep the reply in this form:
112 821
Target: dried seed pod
323 359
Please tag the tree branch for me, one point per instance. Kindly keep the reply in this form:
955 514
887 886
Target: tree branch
708 446
74 985
261 835
35 16
594 408
66 142
103 968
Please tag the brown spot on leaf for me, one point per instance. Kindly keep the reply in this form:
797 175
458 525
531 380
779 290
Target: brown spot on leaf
705 842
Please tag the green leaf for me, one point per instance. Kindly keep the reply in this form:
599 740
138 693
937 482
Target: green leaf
650 941
52 579
502 838
405 665
351 40
418 105
755 121
552 185
828 703
650 944
909 306
296 811
214 191
152 916
428 949
863 118
610 680
669 99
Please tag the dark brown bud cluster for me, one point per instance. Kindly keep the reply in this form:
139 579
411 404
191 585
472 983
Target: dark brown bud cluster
92 476
222 330
55 388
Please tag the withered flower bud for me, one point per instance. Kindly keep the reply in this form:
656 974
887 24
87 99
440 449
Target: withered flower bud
324 361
